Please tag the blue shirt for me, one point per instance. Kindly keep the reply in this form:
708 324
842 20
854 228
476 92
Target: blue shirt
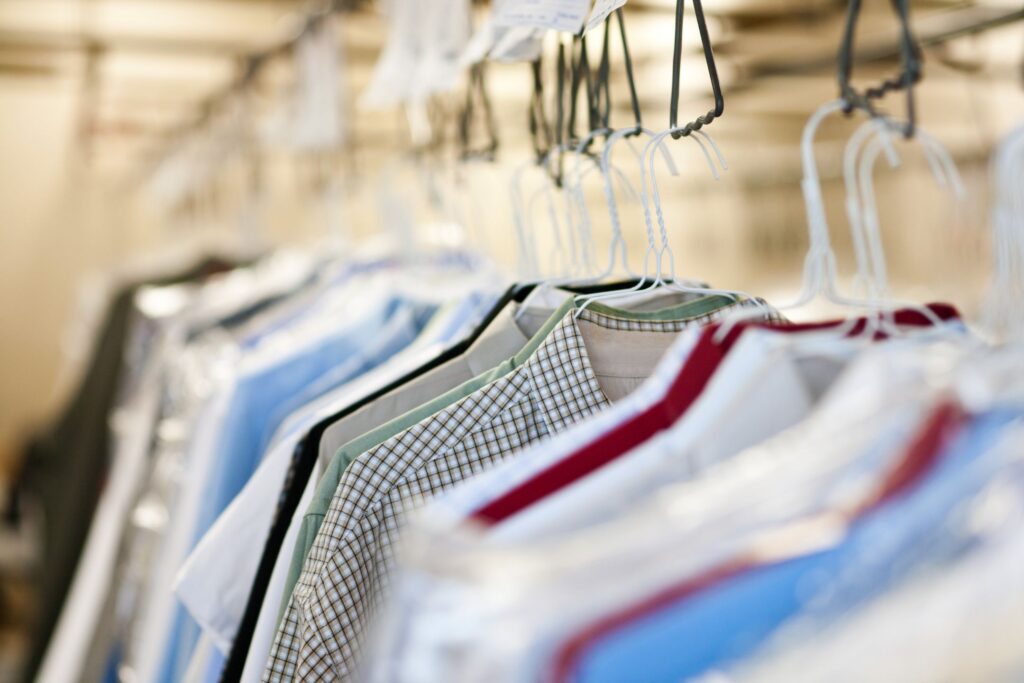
257 401
467 312
729 621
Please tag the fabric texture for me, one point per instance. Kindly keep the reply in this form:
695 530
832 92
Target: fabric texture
268 377
346 573
693 310
300 484
211 582
889 536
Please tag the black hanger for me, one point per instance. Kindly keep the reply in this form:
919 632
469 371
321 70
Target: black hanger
601 102
477 95
579 73
630 79
910 58
599 83
540 128
576 66
561 125
709 58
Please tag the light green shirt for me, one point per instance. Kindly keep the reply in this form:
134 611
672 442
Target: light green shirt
328 484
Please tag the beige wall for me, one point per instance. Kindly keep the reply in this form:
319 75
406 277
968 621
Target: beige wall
39 260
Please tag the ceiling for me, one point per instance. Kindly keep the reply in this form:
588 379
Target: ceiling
146 71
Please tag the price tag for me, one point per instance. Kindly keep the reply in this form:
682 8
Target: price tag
557 15
480 44
422 53
518 44
602 8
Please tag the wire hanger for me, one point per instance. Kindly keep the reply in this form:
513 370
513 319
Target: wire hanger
657 255
709 58
819 273
578 234
1004 305
617 248
573 65
477 96
600 108
910 73
863 213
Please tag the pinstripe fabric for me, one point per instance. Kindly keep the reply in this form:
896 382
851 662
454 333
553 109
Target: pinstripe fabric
346 574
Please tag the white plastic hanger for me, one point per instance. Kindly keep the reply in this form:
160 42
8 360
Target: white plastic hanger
819 273
617 245
1004 305
529 268
864 216
654 276
573 191
657 255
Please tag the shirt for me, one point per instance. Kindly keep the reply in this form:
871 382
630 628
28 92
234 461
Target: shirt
345 574
282 364
729 620
835 454
212 582
434 344
508 336
768 382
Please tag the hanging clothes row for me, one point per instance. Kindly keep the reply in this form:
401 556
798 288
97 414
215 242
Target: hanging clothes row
411 467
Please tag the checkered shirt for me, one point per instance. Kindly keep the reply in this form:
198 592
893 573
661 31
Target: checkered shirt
346 575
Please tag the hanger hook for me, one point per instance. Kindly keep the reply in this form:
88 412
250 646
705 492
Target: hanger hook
709 59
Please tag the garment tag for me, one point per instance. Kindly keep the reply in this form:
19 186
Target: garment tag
518 44
480 44
557 15
503 44
602 8
444 29
317 100
422 53
392 81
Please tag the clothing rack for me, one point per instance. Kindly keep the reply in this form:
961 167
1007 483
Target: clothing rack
403 463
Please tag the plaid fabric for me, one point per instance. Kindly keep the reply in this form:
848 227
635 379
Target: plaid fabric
346 574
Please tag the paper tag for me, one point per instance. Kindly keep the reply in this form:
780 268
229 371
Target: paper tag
602 8
422 54
518 44
392 74
557 15
316 103
444 29
480 44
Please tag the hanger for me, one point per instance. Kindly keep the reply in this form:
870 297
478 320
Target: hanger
617 245
476 92
910 73
657 255
943 169
601 127
1004 304
819 273
543 142
709 58
863 213
598 98
575 66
